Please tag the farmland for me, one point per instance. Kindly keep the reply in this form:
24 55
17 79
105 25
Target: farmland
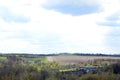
78 59
59 67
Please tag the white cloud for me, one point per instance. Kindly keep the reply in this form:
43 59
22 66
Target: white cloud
16 45
68 33
77 2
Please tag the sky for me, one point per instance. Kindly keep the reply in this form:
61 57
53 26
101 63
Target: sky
56 26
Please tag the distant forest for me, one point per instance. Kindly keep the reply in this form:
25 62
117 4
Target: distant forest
64 54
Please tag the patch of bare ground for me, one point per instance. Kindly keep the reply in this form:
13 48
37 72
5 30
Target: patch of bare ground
78 59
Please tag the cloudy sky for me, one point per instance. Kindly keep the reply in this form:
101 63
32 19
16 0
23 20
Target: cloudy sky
54 26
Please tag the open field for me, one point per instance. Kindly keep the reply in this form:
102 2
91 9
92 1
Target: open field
79 59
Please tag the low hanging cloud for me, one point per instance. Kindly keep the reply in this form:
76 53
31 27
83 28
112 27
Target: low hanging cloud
113 39
113 20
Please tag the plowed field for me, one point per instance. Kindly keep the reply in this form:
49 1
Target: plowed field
78 59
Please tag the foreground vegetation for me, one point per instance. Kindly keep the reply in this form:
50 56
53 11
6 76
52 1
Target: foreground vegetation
35 67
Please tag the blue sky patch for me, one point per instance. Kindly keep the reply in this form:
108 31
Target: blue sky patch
111 21
8 16
73 9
